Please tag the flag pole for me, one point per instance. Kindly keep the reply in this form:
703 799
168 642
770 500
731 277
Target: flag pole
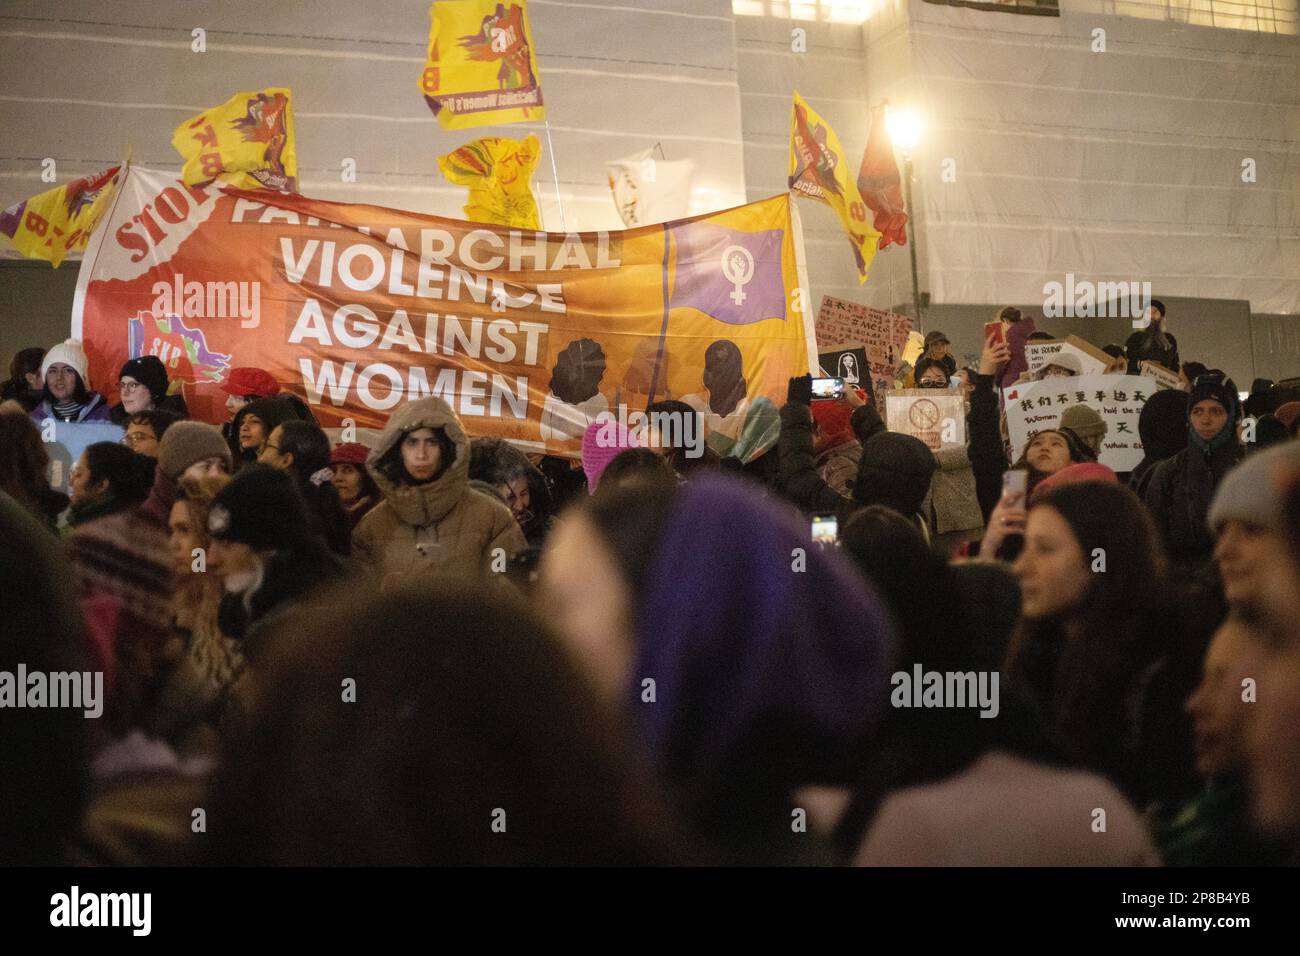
663 329
555 173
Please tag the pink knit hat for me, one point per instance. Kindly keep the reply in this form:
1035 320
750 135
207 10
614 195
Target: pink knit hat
1083 471
601 442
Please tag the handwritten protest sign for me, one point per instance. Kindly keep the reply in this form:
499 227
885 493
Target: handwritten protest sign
843 325
1163 377
935 416
1072 352
1032 407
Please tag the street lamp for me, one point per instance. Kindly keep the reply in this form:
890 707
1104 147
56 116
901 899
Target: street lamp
905 131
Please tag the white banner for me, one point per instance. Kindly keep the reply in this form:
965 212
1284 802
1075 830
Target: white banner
1032 407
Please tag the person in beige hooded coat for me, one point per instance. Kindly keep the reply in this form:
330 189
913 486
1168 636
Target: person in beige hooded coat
431 518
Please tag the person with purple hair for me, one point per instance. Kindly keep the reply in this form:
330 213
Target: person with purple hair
753 664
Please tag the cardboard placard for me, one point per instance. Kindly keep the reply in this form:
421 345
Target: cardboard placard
1082 357
937 416
1032 407
844 325
1163 377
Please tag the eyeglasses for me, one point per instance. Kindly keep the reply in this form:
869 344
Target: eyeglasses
267 444
138 438
126 387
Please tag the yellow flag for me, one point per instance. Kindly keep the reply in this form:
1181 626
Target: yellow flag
818 169
481 69
498 173
59 220
247 141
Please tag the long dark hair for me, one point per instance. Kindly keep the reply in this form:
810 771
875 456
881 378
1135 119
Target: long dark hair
24 362
24 461
923 745
81 395
1087 679
310 447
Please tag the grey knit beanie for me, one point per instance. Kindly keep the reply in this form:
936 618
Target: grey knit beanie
184 443
1250 492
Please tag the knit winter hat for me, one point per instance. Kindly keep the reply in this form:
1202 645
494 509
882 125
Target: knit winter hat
603 439
895 471
1070 474
261 507
148 370
349 453
1084 421
69 353
1250 492
186 442
833 423
247 381
1219 388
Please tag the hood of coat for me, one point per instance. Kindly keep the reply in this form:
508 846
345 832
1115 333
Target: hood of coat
426 503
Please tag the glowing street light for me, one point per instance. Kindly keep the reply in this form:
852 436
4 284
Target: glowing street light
904 129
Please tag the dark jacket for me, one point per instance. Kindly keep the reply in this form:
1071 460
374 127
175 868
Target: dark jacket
1138 348
1179 494
987 459
799 477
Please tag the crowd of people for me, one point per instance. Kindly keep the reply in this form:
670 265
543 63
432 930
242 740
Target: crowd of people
435 647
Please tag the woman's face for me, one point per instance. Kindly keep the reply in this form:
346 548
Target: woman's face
1208 418
185 536
62 381
421 454
517 495
1054 575
933 377
205 467
1048 452
590 603
135 397
347 481
81 488
252 433
235 402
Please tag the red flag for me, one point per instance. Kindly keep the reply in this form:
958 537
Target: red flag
880 184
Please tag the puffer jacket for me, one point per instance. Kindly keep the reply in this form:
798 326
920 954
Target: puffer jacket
445 525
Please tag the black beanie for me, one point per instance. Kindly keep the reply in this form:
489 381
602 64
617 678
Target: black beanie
261 507
1162 424
895 471
148 370
1217 387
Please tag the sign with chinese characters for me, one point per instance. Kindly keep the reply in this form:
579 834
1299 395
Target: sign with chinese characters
848 325
1032 407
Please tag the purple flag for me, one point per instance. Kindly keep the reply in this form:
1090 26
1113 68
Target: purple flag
730 275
